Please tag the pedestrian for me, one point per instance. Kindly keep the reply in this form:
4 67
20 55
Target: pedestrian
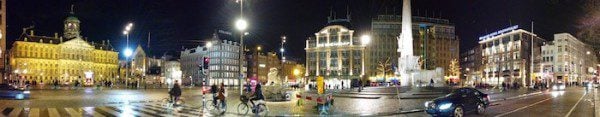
431 82
342 84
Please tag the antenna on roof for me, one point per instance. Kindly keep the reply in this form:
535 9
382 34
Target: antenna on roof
72 7
348 12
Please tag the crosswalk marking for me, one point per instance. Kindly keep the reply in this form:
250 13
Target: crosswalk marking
128 109
73 113
1 109
52 112
15 112
34 112
110 111
87 111
141 110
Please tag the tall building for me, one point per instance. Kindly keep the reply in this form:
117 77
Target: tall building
3 52
67 59
223 65
434 41
260 64
470 64
172 72
508 55
567 59
335 54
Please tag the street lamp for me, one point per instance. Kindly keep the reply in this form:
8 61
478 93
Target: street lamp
365 40
283 40
128 52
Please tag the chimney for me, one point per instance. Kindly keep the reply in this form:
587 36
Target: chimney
31 33
55 35
103 42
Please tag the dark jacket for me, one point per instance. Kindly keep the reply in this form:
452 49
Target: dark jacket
175 91
258 93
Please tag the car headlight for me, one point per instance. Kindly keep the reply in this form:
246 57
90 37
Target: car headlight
26 92
445 106
562 87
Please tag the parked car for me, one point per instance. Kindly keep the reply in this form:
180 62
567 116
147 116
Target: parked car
459 102
13 92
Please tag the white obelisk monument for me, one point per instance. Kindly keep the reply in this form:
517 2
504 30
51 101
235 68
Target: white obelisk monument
407 63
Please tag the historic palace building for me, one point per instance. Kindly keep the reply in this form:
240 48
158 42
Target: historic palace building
335 54
67 59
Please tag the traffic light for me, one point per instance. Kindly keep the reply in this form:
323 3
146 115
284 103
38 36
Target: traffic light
206 61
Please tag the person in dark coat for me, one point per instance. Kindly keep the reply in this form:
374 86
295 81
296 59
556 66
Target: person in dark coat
257 94
175 91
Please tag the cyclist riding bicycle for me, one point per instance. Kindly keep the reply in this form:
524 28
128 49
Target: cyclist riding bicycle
175 92
257 94
213 91
222 94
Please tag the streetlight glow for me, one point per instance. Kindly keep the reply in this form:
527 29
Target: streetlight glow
282 50
128 52
241 24
209 44
365 39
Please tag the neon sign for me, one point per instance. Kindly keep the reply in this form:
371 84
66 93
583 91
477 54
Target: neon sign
482 38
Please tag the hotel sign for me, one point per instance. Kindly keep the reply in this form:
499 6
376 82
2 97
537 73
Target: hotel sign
333 44
482 38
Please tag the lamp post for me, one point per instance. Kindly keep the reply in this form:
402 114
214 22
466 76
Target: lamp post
128 52
365 40
283 39
241 25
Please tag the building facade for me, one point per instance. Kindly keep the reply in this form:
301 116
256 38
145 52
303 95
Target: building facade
510 55
223 65
3 53
567 59
66 59
335 54
260 64
173 73
470 64
434 40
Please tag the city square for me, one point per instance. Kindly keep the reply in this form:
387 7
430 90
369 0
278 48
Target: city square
396 58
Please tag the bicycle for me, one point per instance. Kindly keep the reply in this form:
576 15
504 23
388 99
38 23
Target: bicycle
217 106
259 109
169 102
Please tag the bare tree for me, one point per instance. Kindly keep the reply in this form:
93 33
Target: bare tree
384 67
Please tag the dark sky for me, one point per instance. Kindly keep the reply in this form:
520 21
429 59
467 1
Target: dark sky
176 23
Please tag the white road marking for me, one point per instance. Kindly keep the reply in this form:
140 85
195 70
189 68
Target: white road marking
503 114
15 112
73 113
34 112
573 108
52 112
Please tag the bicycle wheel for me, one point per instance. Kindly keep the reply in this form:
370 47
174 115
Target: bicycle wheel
243 108
209 104
264 110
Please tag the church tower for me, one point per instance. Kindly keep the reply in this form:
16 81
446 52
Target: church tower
71 29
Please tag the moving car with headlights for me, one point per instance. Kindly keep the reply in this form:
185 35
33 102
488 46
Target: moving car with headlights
559 86
457 103
13 92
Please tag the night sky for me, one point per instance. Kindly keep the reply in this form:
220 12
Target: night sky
177 23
